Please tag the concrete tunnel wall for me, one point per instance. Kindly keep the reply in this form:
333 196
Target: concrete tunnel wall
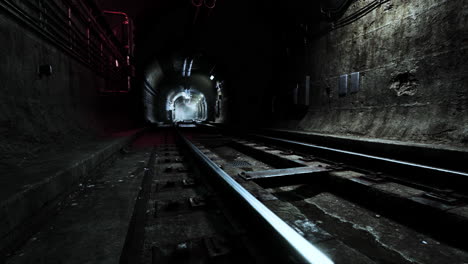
412 59
405 93
152 77
43 112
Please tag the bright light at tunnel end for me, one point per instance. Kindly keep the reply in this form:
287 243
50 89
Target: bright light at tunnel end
187 104
212 77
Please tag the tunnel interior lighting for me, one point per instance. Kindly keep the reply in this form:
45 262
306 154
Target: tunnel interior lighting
187 68
189 104
184 67
212 77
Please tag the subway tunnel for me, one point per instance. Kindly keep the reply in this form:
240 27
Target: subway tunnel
214 131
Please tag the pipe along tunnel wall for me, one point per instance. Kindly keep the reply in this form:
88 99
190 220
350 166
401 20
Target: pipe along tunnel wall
48 112
58 122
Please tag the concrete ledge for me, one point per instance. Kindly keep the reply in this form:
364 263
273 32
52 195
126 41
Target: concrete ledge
23 211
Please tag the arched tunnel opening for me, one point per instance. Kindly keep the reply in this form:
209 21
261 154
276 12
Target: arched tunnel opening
214 131
187 105
190 89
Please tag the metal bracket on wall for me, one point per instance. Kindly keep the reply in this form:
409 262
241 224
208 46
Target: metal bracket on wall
355 82
343 85
307 90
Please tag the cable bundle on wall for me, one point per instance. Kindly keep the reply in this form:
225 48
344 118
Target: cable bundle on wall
336 9
358 14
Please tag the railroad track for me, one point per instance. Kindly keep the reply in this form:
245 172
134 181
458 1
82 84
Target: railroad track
180 218
301 203
198 195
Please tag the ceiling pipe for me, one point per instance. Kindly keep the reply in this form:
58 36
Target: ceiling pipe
128 24
213 4
197 5
128 45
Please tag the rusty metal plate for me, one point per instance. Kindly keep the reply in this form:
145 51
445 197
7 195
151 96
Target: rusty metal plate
240 163
290 172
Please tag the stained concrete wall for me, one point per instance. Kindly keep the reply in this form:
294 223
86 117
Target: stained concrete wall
39 113
412 55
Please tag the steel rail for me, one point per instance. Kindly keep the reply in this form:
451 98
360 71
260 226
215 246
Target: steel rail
411 164
414 170
299 248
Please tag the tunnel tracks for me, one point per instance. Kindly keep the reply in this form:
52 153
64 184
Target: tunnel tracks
184 221
287 240
427 211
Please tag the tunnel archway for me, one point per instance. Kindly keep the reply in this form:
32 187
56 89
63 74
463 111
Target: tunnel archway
182 87
187 105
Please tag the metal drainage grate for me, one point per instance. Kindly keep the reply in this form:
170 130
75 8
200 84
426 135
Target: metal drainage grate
240 163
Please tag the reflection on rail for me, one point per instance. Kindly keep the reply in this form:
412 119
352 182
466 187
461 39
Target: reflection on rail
297 245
